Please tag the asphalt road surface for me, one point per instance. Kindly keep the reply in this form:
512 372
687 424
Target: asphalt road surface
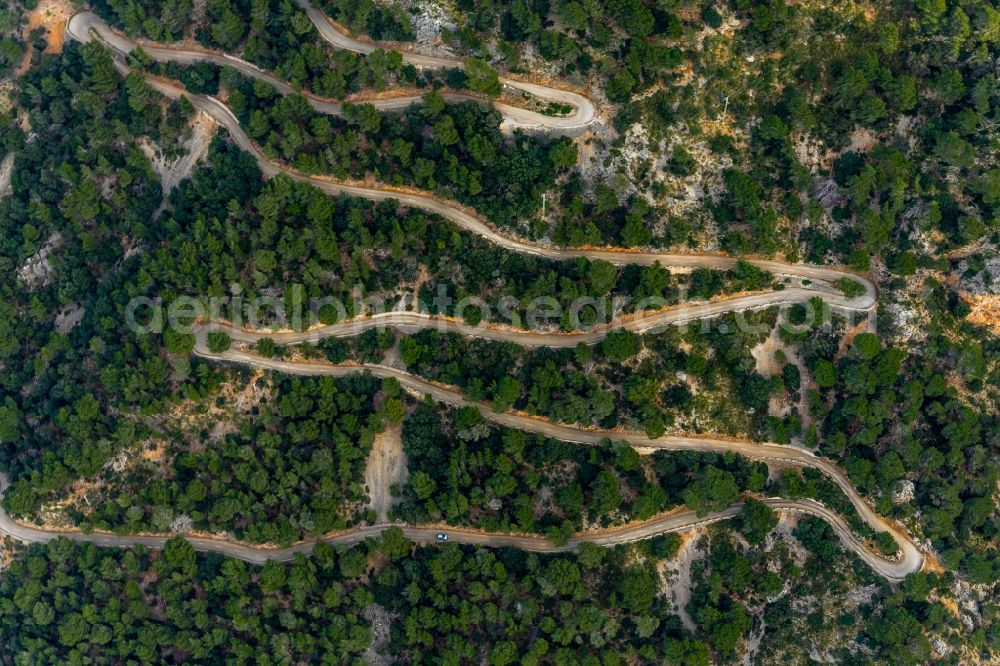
649 321
583 109
581 117
84 25
676 522
910 560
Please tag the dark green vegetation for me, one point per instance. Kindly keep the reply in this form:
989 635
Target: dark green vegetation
290 236
12 46
921 59
863 83
465 157
867 140
65 602
179 606
889 416
84 191
204 214
159 21
272 34
894 624
294 468
176 606
465 471
603 385
277 36
606 385
622 40
381 21
926 59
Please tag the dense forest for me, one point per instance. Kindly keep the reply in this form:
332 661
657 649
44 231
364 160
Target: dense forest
891 62
643 382
293 470
80 197
497 478
200 221
898 61
465 158
272 34
68 602
506 480
12 46
889 417
289 235
850 135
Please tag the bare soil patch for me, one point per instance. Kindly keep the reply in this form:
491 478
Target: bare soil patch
52 15
984 310
678 591
67 318
768 366
386 467
171 173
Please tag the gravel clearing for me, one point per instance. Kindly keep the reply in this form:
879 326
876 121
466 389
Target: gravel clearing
67 318
196 147
381 621
768 366
386 467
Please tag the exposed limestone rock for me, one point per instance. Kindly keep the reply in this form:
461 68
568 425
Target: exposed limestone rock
904 492
827 193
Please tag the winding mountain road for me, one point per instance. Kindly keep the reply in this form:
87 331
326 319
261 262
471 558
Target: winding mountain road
583 109
581 117
636 531
645 322
85 25
82 27
909 561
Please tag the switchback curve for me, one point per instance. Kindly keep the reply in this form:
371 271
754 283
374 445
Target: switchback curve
473 223
909 561
644 322
635 531
583 115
